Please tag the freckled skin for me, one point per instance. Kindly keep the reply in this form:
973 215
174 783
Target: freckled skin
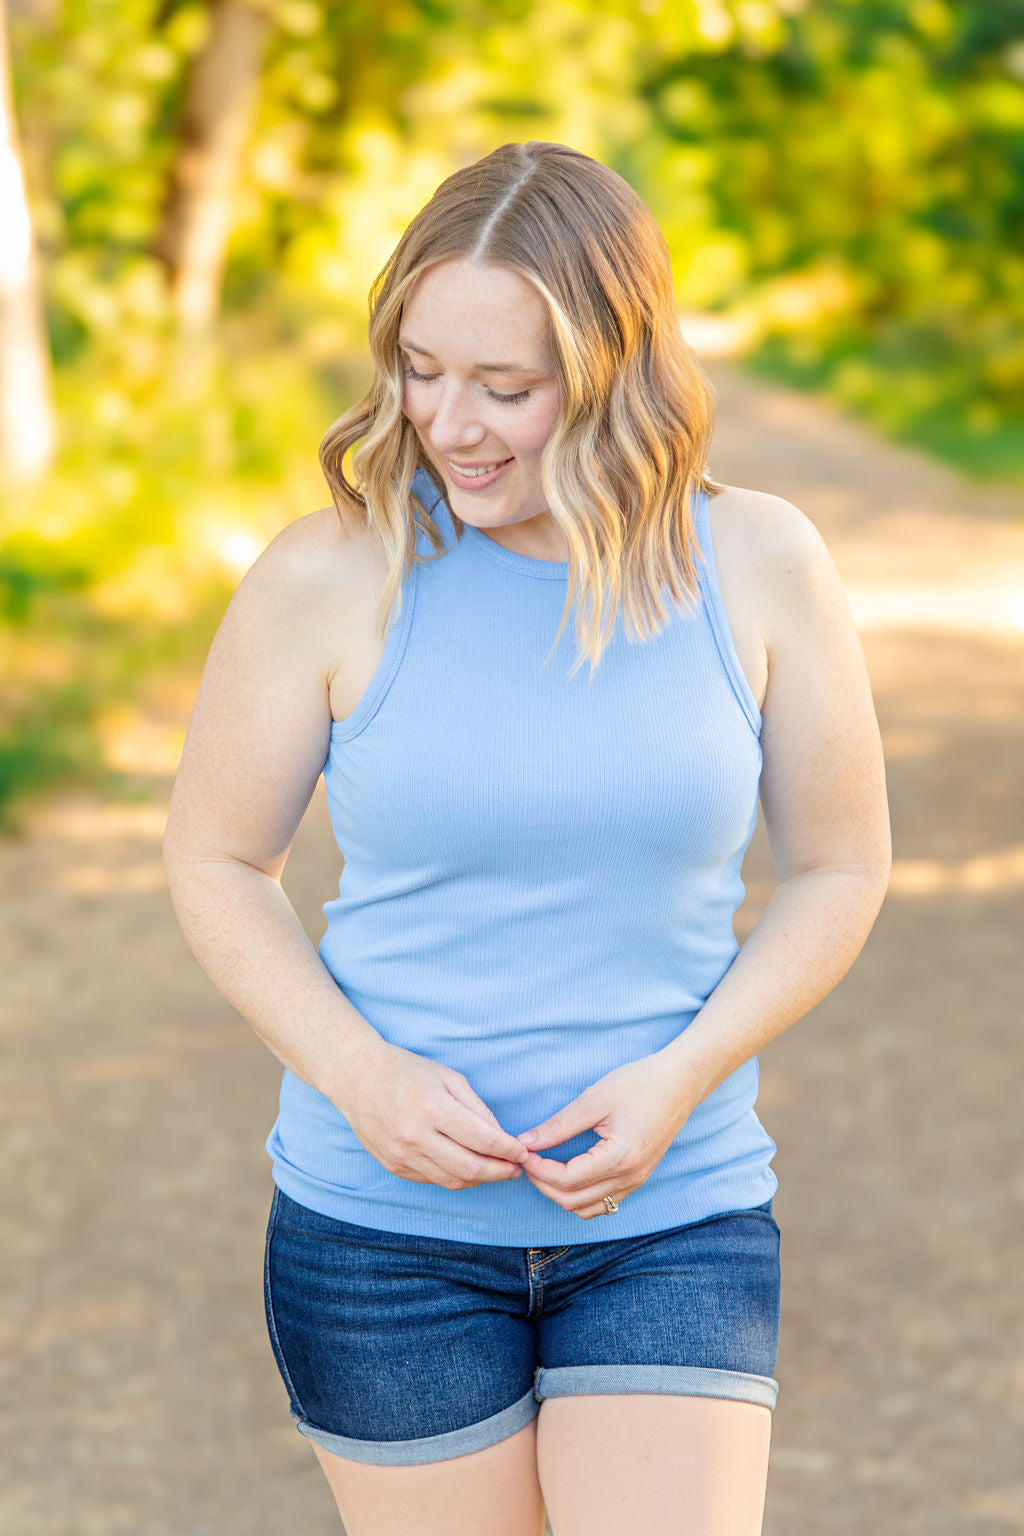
464 312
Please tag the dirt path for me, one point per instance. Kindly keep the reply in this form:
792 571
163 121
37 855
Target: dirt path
139 1394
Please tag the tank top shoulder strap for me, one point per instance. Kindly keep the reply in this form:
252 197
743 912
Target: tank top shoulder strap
708 581
707 576
436 507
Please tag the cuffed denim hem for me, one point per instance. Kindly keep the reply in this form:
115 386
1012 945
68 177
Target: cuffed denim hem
681 1380
408 1453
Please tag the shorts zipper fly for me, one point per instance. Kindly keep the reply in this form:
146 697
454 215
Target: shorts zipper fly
536 1259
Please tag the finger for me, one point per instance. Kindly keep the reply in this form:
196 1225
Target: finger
465 1095
600 1209
581 1115
590 1202
600 1162
458 1162
467 1125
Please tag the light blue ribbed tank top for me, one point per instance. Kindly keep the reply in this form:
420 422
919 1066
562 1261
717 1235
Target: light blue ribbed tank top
539 884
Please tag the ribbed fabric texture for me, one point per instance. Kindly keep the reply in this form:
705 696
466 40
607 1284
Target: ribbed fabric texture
539 884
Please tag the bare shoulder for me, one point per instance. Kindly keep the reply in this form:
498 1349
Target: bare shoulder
259 731
774 557
314 554
310 581
761 525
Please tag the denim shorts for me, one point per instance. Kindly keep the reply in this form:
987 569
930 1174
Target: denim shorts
399 1349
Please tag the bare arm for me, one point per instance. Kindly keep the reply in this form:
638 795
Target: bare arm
825 806
254 749
256 744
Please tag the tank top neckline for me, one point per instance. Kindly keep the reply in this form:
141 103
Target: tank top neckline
549 570
707 583
526 565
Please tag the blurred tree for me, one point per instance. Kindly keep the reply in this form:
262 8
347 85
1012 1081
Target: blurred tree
841 182
27 417
220 98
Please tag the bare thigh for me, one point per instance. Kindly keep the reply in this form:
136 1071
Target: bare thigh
493 1492
660 1465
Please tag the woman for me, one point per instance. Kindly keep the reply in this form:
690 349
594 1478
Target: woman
533 932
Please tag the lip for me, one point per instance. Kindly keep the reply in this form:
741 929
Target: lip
476 482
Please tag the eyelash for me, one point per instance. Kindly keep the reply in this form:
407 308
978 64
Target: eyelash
428 378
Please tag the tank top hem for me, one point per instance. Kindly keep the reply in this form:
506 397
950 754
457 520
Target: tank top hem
683 1204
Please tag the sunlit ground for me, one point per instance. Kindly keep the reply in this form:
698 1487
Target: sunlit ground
892 1105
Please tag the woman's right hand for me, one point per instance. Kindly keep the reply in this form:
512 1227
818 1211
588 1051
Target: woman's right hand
423 1122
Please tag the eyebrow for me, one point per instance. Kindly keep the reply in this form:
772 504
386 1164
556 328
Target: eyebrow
482 367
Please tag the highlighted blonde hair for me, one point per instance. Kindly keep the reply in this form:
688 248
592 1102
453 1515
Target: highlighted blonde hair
623 464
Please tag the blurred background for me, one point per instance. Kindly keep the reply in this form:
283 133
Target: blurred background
194 201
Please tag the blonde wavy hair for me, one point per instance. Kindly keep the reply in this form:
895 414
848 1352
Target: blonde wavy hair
627 455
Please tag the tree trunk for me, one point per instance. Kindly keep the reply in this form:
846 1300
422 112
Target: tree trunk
220 98
28 430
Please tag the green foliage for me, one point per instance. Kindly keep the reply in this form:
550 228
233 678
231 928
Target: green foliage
845 176
121 563
888 138
51 742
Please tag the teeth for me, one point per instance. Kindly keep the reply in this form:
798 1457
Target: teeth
483 469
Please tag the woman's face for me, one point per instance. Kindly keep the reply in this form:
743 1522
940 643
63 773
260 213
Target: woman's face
480 388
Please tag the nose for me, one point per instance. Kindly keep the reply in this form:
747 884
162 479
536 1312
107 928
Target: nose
452 427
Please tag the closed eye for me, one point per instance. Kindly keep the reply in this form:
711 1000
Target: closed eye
428 378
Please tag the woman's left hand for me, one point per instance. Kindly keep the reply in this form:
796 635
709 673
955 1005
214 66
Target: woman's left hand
637 1110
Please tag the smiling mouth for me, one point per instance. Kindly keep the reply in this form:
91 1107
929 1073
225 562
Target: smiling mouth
472 470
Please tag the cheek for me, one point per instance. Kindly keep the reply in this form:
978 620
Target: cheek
417 417
533 436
